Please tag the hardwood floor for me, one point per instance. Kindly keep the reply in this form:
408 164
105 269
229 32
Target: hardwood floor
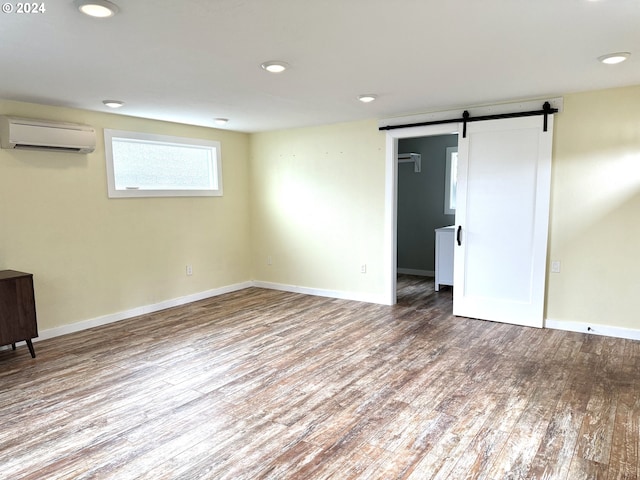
262 384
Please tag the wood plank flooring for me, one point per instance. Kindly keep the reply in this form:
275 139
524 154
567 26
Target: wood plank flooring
262 384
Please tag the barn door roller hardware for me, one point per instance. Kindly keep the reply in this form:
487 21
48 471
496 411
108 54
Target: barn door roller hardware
466 118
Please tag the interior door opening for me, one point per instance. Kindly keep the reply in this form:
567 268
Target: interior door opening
424 204
391 196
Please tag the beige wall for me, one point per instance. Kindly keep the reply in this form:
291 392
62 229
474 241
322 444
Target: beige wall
318 208
318 202
595 210
313 200
93 256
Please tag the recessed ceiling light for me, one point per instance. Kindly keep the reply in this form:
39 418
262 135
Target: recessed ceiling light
113 103
97 8
613 58
221 121
275 66
367 97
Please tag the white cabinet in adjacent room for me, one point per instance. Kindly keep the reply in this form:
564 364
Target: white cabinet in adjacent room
444 256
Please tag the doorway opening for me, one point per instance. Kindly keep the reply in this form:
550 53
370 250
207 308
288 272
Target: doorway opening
424 203
417 201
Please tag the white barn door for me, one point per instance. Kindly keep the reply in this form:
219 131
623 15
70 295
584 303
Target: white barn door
502 217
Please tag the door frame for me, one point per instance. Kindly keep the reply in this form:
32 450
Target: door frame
391 167
391 197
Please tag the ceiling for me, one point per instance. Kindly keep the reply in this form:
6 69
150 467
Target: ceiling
191 61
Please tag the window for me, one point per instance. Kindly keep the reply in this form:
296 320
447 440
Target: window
451 181
146 165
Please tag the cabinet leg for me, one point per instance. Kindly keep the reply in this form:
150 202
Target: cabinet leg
31 350
13 346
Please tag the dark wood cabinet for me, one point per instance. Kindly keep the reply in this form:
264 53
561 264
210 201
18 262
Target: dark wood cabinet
17 309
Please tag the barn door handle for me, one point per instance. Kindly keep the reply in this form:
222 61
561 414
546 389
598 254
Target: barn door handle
459 235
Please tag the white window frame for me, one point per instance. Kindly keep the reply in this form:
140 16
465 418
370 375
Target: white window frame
450 181
216 191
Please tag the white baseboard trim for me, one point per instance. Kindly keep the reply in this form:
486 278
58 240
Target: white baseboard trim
175 302
420 273
359 297
134 312
570 326
593 329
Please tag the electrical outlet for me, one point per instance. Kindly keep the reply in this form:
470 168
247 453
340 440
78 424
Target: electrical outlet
555 266
189 270
269 260
363 268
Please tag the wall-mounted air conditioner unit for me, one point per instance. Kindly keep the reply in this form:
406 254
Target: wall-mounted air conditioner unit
414 158
27 133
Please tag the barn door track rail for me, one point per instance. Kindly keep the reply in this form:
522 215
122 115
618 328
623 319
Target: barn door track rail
466 118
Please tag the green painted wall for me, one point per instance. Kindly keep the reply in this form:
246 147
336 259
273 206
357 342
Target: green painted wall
421 201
